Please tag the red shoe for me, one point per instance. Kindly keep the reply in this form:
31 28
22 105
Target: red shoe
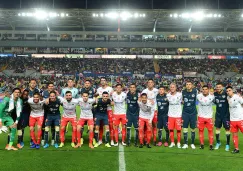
159 144
166 144
6 147
19 146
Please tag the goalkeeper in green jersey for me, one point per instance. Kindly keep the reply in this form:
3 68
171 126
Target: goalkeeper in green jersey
8 107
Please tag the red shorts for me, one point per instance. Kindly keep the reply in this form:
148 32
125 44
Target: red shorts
174 123
110 116
82 121
65 121
117 119
34 120
235 126
155 119
144 122
205 123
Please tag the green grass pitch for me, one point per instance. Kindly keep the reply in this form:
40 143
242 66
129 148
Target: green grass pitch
101 158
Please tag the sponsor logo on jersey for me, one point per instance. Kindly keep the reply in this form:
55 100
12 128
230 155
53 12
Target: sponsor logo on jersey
185 99
193 95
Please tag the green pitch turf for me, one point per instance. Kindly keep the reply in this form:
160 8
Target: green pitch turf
107 159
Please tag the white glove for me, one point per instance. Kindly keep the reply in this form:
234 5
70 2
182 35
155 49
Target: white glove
4 129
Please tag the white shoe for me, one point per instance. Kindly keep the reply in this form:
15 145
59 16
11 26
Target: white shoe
172 145
52 142
100 142
185 146
124 144
193 146
178 145
116 144
42 142
112 143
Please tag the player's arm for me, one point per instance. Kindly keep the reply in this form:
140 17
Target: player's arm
18 111
2 108
62 93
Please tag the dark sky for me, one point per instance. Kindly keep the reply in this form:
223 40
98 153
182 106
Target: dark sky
126 4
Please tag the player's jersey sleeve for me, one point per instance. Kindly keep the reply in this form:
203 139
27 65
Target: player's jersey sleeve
240 100
3 106
61 99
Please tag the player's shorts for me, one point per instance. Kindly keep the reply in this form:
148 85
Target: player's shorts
189 119
24 120
7 121
65 121
155 119
143 122
117 119
44 123
174 123
82 122
162 122
219 122
34 120
235 126
53 120
205 123
101 118
132 119
110 116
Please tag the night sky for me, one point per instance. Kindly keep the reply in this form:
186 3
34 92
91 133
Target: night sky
124 4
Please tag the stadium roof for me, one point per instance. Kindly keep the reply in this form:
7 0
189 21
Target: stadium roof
160 19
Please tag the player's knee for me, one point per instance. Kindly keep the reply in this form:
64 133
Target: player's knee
47 129
185 130
39 128
19 132
217 131
31 128
193 130
63 128
57 128
74 128
227 132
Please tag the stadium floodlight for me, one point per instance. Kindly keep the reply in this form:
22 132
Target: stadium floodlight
112 15
41 15
23 14
93 14
48 29
102 15
66 15
19 14
175 15
185 15
62 14
215 15
125 15
209 15
171 15
198 16
242 15
219 15
136 15
144 15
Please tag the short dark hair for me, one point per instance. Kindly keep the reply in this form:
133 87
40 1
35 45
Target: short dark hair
143 94
205 86
70 79
85 92
32 79
50 83
220 84
26 91
103 78
229 87
87 81
118 85
161 86
36 93
105 92
188 81
67 92
133 84
53 92
16 89
150 79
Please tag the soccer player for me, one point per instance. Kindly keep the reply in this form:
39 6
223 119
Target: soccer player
174 114
236 116
33 88
146 115
189 113
163 107
69 115
132 114
86 115
102 116
222 116
24 119
151 95
36 117
7 108
105 88
53 117
88 89
205 116
119 99
71 88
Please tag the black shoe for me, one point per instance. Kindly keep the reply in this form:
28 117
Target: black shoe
135 145
202 146
235 151
141 146
148 146
128 144
154 143
211 147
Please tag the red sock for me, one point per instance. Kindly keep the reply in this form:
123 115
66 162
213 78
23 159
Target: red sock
116 134
172 136
149 135
74 135
91 136
178 136
62 135
201 136
141 135
210 136
78 136
123 134
32 135
236 141
101 133
155 134
111 131
39 134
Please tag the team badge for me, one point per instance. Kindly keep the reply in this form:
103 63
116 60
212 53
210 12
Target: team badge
135 98
193 95
90 92
185 99
57 105
223 96
217 100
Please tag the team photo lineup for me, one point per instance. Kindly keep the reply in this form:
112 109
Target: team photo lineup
109 112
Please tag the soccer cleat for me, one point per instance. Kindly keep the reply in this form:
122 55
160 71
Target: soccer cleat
96 145
154 143
159 144
178 145
6 147
72 144
201 146
185 146
33 145
217 146
128 144
42 142
100 142
12 148
112 143
82 141
166 144
148 146
56 145
61 145
227 148
108 145
211 147
115 145
46 145
135 145
172 145
78 145
20 146
124 144
193 146
52 142
235 151
37 146
91 145
141 146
